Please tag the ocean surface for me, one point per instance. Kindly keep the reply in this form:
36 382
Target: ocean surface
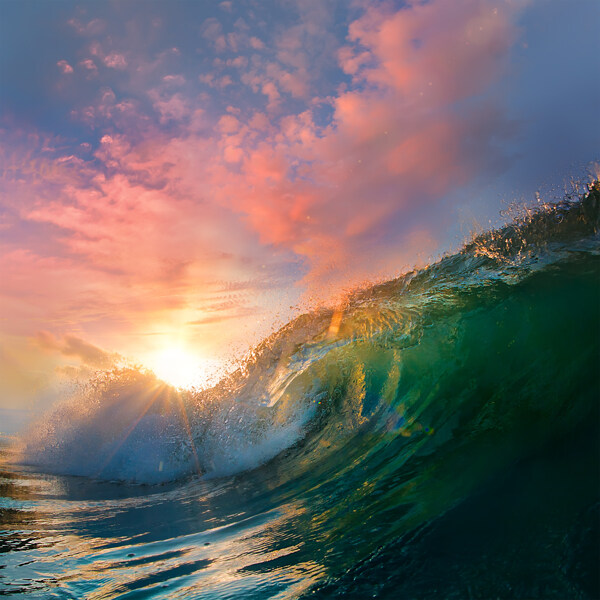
435 437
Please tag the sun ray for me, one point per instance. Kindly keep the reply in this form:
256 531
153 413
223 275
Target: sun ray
159 388
186 424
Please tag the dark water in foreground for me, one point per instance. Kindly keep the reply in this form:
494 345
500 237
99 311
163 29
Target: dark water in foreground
439 438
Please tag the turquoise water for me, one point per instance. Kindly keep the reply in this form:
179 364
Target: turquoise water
437 437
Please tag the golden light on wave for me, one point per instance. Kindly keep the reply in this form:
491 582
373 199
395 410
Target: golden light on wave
181 368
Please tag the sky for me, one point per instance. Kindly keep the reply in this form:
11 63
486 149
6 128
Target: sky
179 178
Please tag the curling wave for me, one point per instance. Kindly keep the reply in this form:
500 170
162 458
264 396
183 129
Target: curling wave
485 342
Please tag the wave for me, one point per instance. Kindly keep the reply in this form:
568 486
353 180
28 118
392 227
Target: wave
463 365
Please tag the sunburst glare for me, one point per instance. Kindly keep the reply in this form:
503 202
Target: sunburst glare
182 368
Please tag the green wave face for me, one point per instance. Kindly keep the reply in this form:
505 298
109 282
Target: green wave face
429 387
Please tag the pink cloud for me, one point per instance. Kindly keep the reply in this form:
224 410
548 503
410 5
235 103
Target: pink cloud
65 67
216 82
174 79
92 27
228 124
233 154
114 60
223 82
90 66
434 52
295 82
269 89
239 62
212 31
171 108
256 43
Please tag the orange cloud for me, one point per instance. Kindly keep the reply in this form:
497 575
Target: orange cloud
73 346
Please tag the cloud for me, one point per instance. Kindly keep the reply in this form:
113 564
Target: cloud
73 346
90 66
256 43
65 67
409 50
398 137
173 107
176 80
212 31
91 28
217 312
114 60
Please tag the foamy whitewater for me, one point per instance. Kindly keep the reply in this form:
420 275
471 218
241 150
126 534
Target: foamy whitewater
436 437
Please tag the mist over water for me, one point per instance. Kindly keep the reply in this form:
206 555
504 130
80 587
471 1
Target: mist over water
436 436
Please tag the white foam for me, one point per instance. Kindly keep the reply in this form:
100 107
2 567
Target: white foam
131 427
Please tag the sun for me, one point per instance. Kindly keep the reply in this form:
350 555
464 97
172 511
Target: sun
179 367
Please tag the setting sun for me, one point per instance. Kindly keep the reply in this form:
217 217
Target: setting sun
180 368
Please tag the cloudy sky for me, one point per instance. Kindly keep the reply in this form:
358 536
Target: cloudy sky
176 175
